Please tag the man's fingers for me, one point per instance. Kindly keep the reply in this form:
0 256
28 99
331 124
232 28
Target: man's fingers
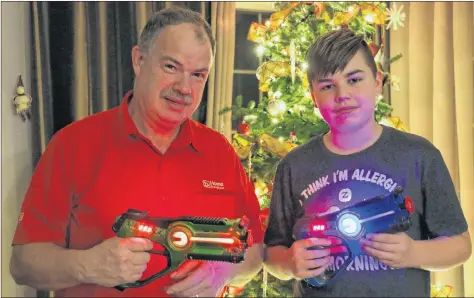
140 258
191 281
137 244
193 290
185 269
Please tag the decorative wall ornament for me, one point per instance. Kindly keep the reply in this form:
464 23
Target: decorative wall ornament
22 101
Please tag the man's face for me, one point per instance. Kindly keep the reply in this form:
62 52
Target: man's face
170 79
347 99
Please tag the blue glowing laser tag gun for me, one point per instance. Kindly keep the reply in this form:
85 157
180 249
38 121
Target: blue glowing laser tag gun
383 214
186 238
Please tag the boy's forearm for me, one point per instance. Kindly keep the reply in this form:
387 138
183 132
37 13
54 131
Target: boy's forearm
442 253
276 262
45 266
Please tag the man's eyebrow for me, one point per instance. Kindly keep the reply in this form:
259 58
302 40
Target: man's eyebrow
172 59
350 73
203 69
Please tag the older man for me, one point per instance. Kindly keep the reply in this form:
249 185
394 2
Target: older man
145 154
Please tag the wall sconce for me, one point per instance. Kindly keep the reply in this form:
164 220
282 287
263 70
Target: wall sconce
22 101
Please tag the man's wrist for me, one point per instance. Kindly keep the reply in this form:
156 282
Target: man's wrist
77 267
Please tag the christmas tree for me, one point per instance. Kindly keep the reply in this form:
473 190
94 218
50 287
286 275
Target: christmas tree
286 118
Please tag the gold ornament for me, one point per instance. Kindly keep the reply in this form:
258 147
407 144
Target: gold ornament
372 14
241 146
274 145
441 290
22 101
277 18
271 70
394 122
344 18
319 9
257 32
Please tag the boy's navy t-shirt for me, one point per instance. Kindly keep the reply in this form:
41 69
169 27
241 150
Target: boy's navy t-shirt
313 180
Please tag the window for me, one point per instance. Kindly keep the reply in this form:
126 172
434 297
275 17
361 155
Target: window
246 60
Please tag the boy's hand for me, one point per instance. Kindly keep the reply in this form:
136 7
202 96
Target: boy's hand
308 263
395 250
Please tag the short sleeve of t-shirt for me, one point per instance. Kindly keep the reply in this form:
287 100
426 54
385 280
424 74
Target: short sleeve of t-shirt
443 213
46 207
282 212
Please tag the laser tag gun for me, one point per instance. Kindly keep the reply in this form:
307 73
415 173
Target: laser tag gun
186 238
383 214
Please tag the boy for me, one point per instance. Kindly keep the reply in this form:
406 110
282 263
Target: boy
359 159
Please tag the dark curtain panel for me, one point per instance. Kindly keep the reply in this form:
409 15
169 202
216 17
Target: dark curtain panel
81 53
82 59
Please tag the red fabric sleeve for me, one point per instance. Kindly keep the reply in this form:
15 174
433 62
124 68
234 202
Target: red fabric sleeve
46 208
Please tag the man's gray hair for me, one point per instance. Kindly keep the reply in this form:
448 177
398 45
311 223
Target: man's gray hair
332 52
173 16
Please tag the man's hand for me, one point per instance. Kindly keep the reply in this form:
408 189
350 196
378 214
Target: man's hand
116 261
308 263
395 250
201 279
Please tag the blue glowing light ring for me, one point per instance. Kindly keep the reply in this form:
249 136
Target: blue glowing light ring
349 225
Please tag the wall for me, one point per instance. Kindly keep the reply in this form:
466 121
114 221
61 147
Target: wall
16 135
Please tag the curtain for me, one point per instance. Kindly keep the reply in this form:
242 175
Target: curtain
436 99
221 76
81 60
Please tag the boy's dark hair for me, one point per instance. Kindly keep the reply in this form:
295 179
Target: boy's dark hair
332 52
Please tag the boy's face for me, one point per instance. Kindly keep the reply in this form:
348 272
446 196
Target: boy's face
347 99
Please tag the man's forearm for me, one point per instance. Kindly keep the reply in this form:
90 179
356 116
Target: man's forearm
276 262
45 266
249 267
442 253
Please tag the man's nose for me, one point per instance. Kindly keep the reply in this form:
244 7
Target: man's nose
183 85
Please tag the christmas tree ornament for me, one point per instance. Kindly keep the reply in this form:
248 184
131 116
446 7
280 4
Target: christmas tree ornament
257 32
244 128
395 16
276 107
292 138
22 101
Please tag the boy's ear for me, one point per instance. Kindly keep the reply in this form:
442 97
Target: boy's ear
314 98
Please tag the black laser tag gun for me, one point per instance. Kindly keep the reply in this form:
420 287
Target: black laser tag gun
186 238
383 214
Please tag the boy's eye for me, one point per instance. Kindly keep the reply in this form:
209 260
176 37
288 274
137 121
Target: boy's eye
326 87
354 80
169 66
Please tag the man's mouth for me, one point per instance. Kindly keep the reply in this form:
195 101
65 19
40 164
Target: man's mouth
175 100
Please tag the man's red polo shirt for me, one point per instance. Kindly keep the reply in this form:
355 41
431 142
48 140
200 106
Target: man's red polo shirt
95 169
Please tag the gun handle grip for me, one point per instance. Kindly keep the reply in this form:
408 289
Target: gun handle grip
121 288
